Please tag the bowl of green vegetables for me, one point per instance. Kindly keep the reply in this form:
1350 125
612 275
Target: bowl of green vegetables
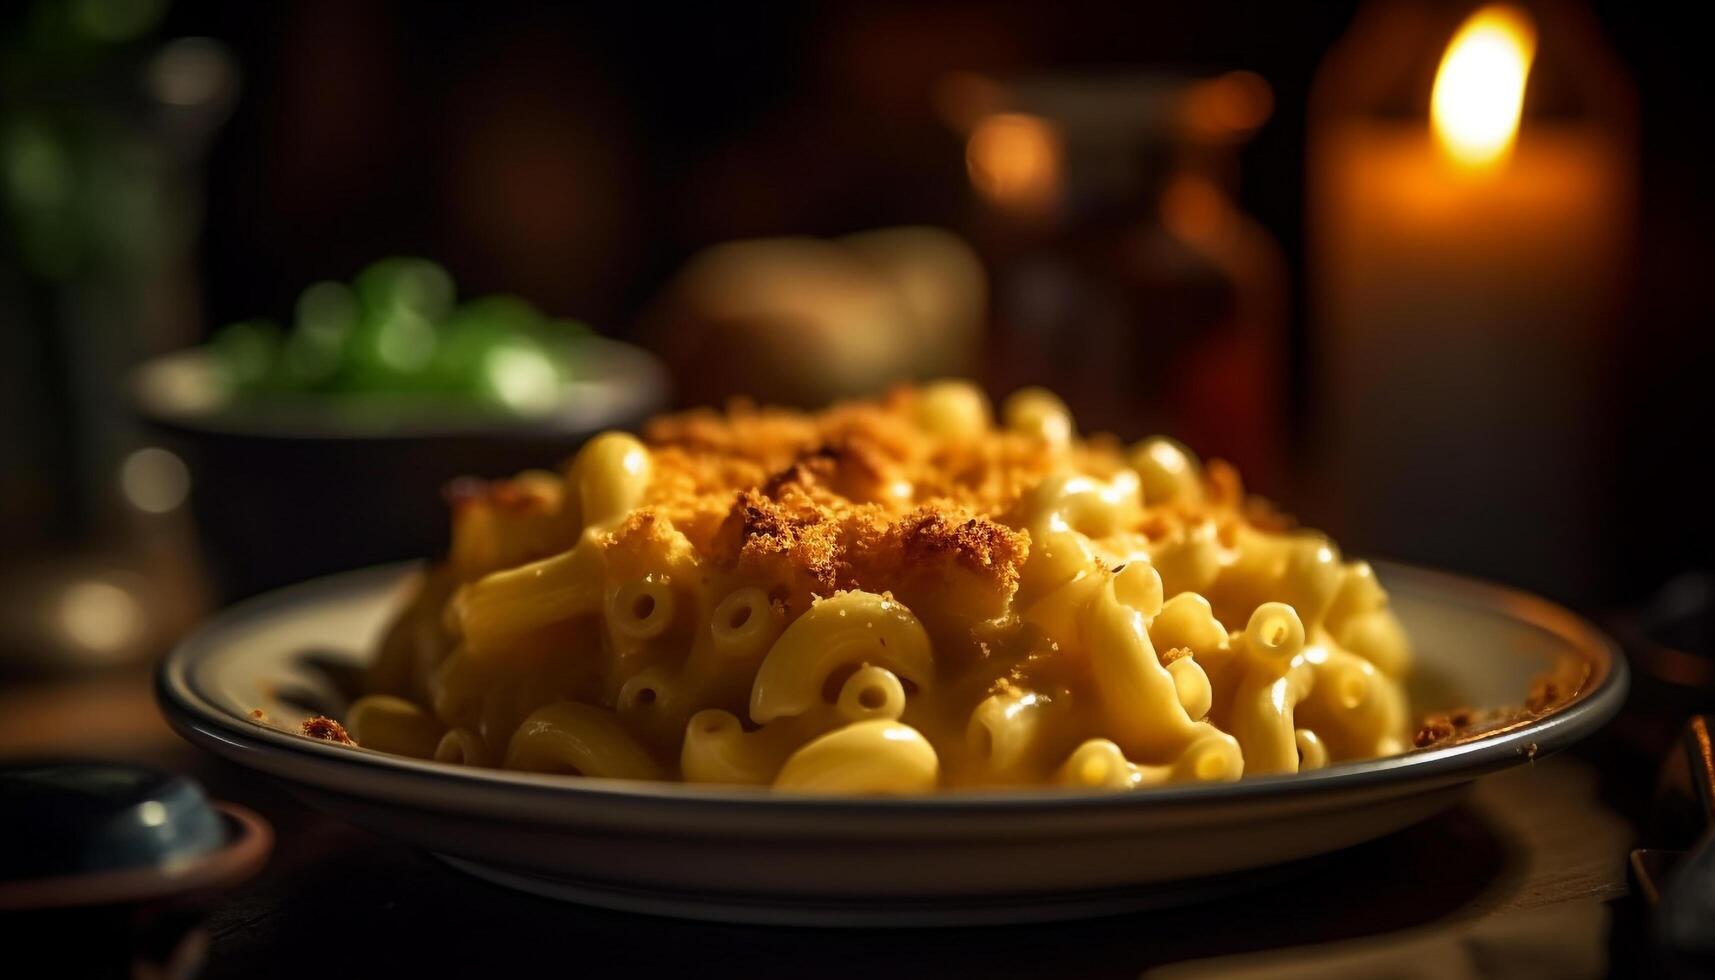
297 434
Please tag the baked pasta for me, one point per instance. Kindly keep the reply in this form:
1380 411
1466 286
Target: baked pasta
894 596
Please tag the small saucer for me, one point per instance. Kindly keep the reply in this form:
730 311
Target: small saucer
83 835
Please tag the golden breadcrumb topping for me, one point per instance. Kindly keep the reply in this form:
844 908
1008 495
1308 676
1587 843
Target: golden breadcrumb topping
855 497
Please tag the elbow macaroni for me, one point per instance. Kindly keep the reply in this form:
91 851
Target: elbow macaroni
886 598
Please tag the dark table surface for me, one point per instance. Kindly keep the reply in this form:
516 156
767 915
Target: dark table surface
1525 878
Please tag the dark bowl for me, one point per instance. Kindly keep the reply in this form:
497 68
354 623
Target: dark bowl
290 487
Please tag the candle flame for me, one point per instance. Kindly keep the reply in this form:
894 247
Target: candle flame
1479 89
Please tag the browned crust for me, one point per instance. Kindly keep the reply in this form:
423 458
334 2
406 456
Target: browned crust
760 532
327 730
992 552
1441 726
1547 691
1544 692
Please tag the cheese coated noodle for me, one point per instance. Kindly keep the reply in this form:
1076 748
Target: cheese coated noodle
463 747
1009 733
611 474
1140 700
879 756
745 624
1099 764
849 629
1312 754
389 724
1040 413
870 693
579 738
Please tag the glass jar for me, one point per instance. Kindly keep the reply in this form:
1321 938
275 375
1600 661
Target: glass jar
1126 276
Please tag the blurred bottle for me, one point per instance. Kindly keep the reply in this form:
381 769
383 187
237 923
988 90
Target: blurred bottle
1125 274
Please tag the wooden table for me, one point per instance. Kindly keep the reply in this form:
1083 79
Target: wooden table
1524 879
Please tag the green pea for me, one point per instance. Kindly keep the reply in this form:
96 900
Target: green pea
458 366
470 333
315 350
391 351
517 373
415 284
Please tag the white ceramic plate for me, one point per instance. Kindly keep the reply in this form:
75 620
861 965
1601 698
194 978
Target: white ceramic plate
748 856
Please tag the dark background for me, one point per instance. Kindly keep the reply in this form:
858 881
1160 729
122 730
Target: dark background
577 155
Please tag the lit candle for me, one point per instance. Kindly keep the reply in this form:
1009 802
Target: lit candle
1466 268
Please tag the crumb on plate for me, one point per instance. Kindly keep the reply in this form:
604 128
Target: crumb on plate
327 730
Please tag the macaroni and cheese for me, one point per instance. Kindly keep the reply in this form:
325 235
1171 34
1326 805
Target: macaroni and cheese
894 596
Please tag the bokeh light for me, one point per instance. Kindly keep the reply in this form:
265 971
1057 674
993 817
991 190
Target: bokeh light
99 617
154 480
1015 160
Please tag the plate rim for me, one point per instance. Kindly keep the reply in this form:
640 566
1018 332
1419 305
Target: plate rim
202 721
